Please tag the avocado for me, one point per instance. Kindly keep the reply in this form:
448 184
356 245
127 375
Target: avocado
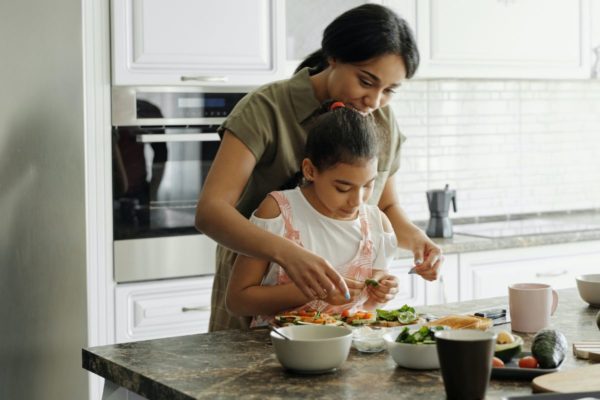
506 351
549 348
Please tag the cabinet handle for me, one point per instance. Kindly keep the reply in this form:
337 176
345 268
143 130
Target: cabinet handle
195 309
182 137
222 79
551 274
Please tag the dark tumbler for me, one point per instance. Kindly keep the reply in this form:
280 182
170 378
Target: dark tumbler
466 362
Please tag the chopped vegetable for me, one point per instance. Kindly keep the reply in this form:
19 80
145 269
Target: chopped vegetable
528 362
497 363
371 282
424 335
404 314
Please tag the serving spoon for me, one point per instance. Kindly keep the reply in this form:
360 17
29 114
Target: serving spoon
277 331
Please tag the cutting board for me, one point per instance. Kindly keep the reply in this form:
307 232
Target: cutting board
575 380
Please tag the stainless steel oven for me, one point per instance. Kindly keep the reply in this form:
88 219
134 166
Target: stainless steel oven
164 140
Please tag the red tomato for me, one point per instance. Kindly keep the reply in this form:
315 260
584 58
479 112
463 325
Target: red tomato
497 363
528 362
346 313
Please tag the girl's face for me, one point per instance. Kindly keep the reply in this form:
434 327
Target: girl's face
368 85
338 191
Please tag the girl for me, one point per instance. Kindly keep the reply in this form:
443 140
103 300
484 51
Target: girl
328 215
366 54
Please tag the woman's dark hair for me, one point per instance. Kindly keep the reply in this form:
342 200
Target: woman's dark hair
341 135
362 33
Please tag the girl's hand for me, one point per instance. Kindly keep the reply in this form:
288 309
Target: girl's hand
386 289
338 299
313 275
428 256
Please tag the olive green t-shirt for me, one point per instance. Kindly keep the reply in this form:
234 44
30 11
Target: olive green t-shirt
271 121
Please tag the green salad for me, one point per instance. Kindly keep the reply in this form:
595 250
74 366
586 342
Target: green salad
404 314
424 335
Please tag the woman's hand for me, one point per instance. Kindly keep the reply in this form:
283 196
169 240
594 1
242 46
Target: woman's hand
313 275
428 256
336 298
386 289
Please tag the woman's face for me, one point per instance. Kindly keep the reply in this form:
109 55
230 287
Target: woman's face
368 85
338 191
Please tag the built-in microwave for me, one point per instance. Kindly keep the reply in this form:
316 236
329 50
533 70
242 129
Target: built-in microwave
164 140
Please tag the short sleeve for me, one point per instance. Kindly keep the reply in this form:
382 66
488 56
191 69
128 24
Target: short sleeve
397 140
385 243
385 251
273 225
251 121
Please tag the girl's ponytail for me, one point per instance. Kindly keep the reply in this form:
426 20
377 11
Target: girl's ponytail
316 61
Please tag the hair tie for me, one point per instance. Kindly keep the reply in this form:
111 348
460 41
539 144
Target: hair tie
336 104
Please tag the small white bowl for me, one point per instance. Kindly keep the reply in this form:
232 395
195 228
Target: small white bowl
414 356
367 340
589 288
313 349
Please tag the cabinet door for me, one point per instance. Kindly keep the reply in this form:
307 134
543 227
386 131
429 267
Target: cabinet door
196 42
411 287
306 20
445 289
489 273
504 38
153 310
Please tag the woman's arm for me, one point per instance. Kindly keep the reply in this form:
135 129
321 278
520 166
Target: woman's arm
217 217
427 255
246 297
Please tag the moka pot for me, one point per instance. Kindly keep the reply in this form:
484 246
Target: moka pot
440 225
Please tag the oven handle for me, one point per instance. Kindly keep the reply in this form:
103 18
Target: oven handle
179 137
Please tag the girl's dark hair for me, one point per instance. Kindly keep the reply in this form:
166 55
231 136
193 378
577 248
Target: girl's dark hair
362 33
341 135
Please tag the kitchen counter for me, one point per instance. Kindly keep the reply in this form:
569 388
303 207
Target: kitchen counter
234 364
461 243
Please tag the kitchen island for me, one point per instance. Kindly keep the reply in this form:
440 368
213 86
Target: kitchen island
234 364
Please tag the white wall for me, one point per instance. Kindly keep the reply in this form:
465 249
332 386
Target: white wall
506 146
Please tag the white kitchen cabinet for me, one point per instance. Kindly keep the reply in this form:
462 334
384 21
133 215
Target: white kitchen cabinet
151 310
504 38
306 20
489 273
226 42
415 291
595 37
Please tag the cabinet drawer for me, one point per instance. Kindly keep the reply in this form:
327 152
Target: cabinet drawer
488 274
163 309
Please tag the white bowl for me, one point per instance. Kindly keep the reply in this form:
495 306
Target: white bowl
313 348
589 288
414 356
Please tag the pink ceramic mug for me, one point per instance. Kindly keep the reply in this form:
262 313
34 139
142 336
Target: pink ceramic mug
531 305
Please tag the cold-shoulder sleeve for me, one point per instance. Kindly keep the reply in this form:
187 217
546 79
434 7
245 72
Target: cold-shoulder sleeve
273 225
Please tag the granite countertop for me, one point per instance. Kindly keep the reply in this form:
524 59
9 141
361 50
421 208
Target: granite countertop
461 243
234 364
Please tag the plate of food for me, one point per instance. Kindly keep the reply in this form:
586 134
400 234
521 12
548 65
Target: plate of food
548 350
307 317
404 315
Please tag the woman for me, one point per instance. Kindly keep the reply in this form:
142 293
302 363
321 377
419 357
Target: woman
366 53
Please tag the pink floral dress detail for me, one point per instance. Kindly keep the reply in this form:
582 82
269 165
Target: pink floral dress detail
359 268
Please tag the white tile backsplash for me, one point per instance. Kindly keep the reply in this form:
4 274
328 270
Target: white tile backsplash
507 147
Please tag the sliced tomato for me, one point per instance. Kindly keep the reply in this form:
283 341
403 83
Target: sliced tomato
345 313
528 362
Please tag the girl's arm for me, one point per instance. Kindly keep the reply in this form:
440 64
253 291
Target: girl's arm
246 297
427 254
217 217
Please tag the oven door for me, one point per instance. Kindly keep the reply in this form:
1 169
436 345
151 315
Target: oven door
158 173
